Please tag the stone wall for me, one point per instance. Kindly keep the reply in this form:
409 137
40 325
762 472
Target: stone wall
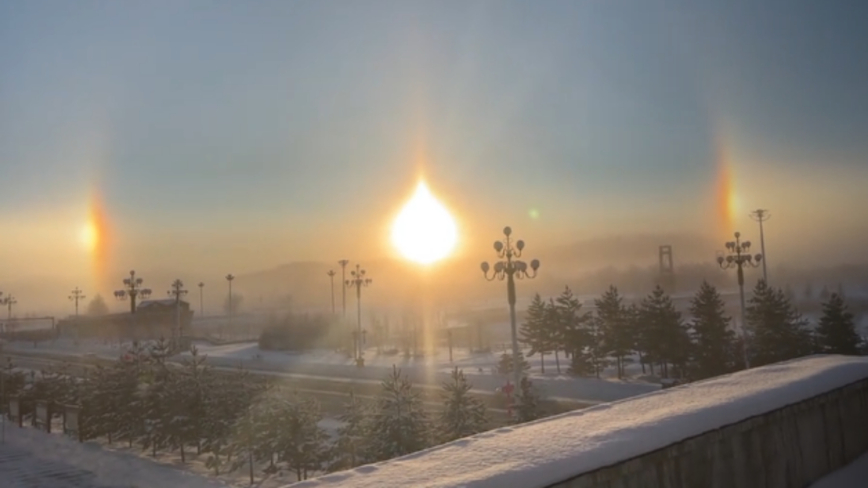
789 447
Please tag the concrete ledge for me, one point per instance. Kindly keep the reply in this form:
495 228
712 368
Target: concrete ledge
790 447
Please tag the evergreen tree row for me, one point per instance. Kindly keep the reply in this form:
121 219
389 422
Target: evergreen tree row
654 333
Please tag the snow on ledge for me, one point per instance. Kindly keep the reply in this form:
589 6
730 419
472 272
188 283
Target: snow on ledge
551 450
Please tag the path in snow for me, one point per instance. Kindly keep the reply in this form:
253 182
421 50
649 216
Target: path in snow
33 459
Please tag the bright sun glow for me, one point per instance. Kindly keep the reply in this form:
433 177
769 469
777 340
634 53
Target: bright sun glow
424 231
88 236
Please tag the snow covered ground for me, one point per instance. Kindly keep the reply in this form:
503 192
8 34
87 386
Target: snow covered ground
854 475
541 453
33 459
481 368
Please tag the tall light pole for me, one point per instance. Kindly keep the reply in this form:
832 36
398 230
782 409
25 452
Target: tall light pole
332 274
761 215
133 289
358 281
77 295
343 263
737 255
509 268
9 300
178 291
229 279
201 299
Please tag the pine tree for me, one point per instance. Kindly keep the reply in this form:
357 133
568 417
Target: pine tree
633 317
611 318
825 294
836 333
533 331
463 414
399 424
504 366
577 337
572 331
666 337
299 440
713 340
528 407
777 331
97 306
348 451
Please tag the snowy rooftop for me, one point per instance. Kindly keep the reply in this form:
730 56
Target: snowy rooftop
541 453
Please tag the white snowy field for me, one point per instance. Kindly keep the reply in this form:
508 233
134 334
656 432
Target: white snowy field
854 475
541 453
34 459
432 370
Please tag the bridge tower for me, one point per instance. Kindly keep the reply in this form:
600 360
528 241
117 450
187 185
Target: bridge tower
666 277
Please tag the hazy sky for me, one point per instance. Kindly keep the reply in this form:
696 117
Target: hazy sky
254 133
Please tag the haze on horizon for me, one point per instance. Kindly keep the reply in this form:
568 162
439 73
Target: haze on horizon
201 138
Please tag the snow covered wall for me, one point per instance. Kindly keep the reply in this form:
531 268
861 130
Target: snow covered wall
782 425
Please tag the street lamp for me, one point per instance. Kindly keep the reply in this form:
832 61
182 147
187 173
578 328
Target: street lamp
201 299
761 216
229 279
332 274
509 268
8 300
178 291
77 295
343 263
132 289
737 255
358 280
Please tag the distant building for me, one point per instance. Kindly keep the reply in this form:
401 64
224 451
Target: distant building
153 319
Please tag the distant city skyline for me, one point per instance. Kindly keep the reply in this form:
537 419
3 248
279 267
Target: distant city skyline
236 137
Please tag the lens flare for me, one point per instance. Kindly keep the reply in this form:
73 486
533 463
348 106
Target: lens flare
726 196
95 237
424 231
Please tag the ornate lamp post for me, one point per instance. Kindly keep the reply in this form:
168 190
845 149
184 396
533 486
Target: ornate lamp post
178 291
201 299
133 289
8 300
76 296
358 281
761 215
737 255
509 268
332 274
344 263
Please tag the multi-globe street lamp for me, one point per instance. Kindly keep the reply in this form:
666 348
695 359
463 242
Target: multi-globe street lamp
177 291
76 296
509 268
344 263
331 273
761 215
358 280
737 255
8 301
133 289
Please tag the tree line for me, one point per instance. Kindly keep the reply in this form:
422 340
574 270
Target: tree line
244 423
664 342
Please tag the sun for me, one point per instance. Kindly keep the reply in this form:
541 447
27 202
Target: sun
88 236
424 231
